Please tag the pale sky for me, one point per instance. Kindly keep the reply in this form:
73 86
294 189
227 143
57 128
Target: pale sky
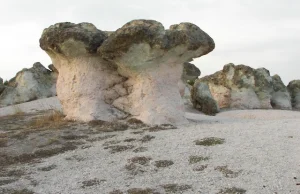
257 33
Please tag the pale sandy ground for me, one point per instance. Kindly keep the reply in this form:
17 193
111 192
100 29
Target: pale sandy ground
261 155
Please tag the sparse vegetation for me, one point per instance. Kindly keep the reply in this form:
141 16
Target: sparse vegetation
90 183
108 126
17 111
140 191
196 159
227 172
163 163
53 119
142 160
175 188
48 168
147 138
210 141
119 148
140 149
232 190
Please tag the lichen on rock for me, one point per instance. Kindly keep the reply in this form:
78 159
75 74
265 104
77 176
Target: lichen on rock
242 87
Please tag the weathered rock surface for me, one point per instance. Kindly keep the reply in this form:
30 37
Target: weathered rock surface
29 84
203 100
2 87
189 75
294 90
281 98
134 70
242 87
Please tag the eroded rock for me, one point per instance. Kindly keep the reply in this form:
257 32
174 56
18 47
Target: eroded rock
135 70
242 87
151 58
294 89
2 87
203 100
29 84
85 79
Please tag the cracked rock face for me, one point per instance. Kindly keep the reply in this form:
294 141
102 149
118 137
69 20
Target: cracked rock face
29 84
294 89
242 87
133 71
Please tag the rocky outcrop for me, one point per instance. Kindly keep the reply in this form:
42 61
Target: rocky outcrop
29 84
2 87
281 98
203 100
242 87
189 75
294 90
133 71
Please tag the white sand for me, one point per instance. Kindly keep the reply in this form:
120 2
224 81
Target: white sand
261 146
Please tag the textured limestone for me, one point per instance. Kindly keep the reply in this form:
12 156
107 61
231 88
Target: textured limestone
151 58
29 84
242 87
134 70
294 90
84 77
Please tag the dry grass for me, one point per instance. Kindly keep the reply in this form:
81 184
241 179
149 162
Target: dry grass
17 111
53 119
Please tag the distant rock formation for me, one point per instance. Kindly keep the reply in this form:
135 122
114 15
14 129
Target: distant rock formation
294 89
133 71
29 84
189 75
2 87
242 87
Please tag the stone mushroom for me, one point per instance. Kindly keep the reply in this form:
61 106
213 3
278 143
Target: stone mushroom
83 74
151 58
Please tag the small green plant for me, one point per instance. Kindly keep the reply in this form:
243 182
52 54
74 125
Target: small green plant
210 141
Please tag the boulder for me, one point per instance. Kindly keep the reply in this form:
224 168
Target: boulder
294 90
188 77
2 87
203 100
281 98
29 84
242 87
133 71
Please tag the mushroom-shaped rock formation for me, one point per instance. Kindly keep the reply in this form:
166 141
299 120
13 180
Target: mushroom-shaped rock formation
83 75
242 87
294 89
29 84
152 58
